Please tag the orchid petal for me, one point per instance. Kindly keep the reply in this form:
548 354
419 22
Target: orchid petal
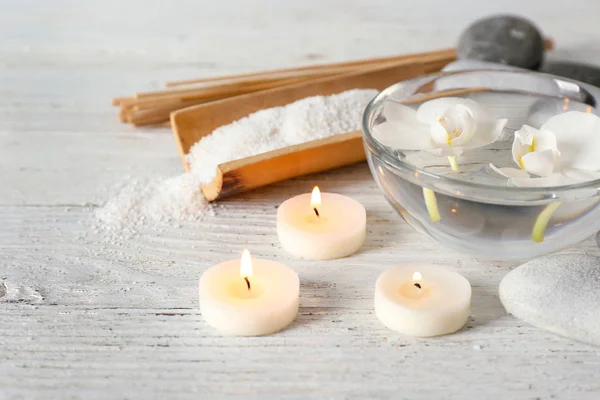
439 134
522 142
454 128
464 122
487 132
454 124
539 163
458 122
396 112
402 136
432 110
577 138
521 178
544 140
510 172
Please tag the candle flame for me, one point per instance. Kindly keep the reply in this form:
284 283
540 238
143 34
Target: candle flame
315 198
246 265
566 105
588 109
417 276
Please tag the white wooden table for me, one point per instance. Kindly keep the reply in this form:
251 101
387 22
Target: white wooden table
81 319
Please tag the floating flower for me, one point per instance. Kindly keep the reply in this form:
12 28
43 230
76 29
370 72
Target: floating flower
444 126
535 151
565 150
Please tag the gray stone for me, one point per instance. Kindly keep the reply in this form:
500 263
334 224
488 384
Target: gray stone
559 293
503 39
598 239
580 72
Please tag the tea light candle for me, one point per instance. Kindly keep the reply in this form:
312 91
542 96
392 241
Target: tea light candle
422 299
321 226
249 297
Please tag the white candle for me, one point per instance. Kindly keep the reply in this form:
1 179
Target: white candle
422 299
321 226
249 297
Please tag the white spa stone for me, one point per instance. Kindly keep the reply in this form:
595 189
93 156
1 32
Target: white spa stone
441 305
338 231
558 293
269 306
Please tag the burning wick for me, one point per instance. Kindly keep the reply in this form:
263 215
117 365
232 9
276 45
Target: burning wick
315 200
417 277
416 284
248 282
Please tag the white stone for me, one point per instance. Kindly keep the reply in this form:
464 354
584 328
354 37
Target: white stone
558 293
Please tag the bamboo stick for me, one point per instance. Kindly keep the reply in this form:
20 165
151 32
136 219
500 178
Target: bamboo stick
195 93
155 106
263 81
310 68
548 45
161 113
157 110
315 73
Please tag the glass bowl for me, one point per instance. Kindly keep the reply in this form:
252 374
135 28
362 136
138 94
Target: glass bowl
480 212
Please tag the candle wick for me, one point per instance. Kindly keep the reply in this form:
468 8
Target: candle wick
418 285
247 282
316 211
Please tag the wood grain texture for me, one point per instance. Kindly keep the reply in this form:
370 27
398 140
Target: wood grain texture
82 319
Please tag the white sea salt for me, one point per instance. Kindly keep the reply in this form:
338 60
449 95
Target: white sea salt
163 202
308 119
151 204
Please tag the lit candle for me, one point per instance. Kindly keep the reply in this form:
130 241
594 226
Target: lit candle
321 226
249 297
422 300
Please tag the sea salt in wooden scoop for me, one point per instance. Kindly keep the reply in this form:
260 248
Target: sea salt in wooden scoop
191 124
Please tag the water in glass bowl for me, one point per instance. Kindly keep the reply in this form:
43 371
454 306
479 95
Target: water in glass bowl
494 227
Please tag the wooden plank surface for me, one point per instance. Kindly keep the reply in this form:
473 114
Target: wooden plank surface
83 319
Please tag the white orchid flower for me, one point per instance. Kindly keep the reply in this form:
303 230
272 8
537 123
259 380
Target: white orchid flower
445 126
535 151
565 150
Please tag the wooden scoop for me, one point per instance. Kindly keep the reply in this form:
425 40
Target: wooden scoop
191 124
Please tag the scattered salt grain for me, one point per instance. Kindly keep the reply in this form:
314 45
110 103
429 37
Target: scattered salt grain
151 204
157 203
